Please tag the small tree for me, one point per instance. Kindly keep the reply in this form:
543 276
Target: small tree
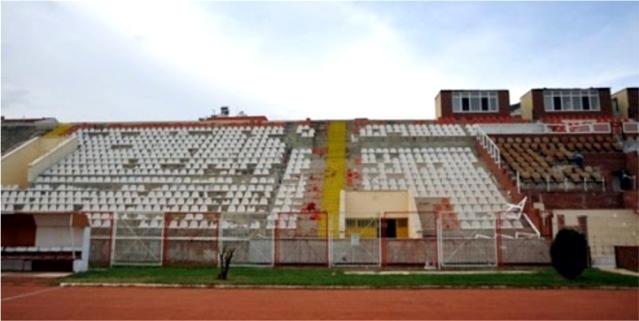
569 253
225 262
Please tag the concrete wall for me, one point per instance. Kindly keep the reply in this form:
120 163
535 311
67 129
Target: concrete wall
526 103
606 229
438 106
56 230
54 155
574 200
374 203
628 102
622 101
15 164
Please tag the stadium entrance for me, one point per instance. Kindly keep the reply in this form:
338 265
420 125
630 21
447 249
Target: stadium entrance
395 228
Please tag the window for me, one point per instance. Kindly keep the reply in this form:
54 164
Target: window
585 103
571 100
594 102
456 105
475 102
484 104
548 102
557 102
366 228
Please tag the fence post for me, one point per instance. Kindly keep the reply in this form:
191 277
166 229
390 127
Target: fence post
329 252
272 244
498 239
112 234
381 246
440 246
436 256
276 234
71 236
164 238
547 183
217 226
220 239
585 185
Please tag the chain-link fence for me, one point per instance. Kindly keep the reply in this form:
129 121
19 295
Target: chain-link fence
428 239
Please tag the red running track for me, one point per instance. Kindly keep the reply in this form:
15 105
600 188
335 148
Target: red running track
33 301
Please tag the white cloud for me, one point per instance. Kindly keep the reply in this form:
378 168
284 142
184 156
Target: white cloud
177 60
365 76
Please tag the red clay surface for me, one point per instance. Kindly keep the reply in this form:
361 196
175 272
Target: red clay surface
39 301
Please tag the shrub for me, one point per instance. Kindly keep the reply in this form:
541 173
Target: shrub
569 253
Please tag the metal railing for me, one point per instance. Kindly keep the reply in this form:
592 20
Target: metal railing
578 128
488 144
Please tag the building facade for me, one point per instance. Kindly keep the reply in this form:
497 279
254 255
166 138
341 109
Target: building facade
472 103
563 102
625 103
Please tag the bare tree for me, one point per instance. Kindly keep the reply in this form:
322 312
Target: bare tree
225 262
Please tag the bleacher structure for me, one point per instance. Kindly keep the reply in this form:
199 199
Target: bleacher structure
433 194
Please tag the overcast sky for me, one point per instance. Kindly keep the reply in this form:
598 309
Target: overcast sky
118 61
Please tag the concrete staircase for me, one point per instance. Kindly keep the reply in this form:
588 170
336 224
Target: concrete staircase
334 174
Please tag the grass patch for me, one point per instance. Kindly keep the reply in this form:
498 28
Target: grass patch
544 277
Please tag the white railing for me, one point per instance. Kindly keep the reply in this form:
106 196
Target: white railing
631 127
568 127
488 144
578 128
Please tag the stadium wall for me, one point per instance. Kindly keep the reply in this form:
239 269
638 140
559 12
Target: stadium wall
579 199
605 228
15 164
51 157
627 257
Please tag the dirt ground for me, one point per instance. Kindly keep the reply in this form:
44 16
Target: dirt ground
37 299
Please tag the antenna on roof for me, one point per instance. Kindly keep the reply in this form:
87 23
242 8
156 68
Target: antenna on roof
224 111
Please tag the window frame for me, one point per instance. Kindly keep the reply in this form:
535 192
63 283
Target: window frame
571 101
475 102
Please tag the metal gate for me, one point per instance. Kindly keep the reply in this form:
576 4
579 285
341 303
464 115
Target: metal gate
418 248
249 235
361 244
461 247
137 239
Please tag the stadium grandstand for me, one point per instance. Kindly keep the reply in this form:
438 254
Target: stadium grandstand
480 186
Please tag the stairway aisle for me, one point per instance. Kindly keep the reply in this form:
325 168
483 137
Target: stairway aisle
334 174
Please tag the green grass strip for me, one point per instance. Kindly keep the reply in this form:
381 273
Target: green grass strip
543 277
